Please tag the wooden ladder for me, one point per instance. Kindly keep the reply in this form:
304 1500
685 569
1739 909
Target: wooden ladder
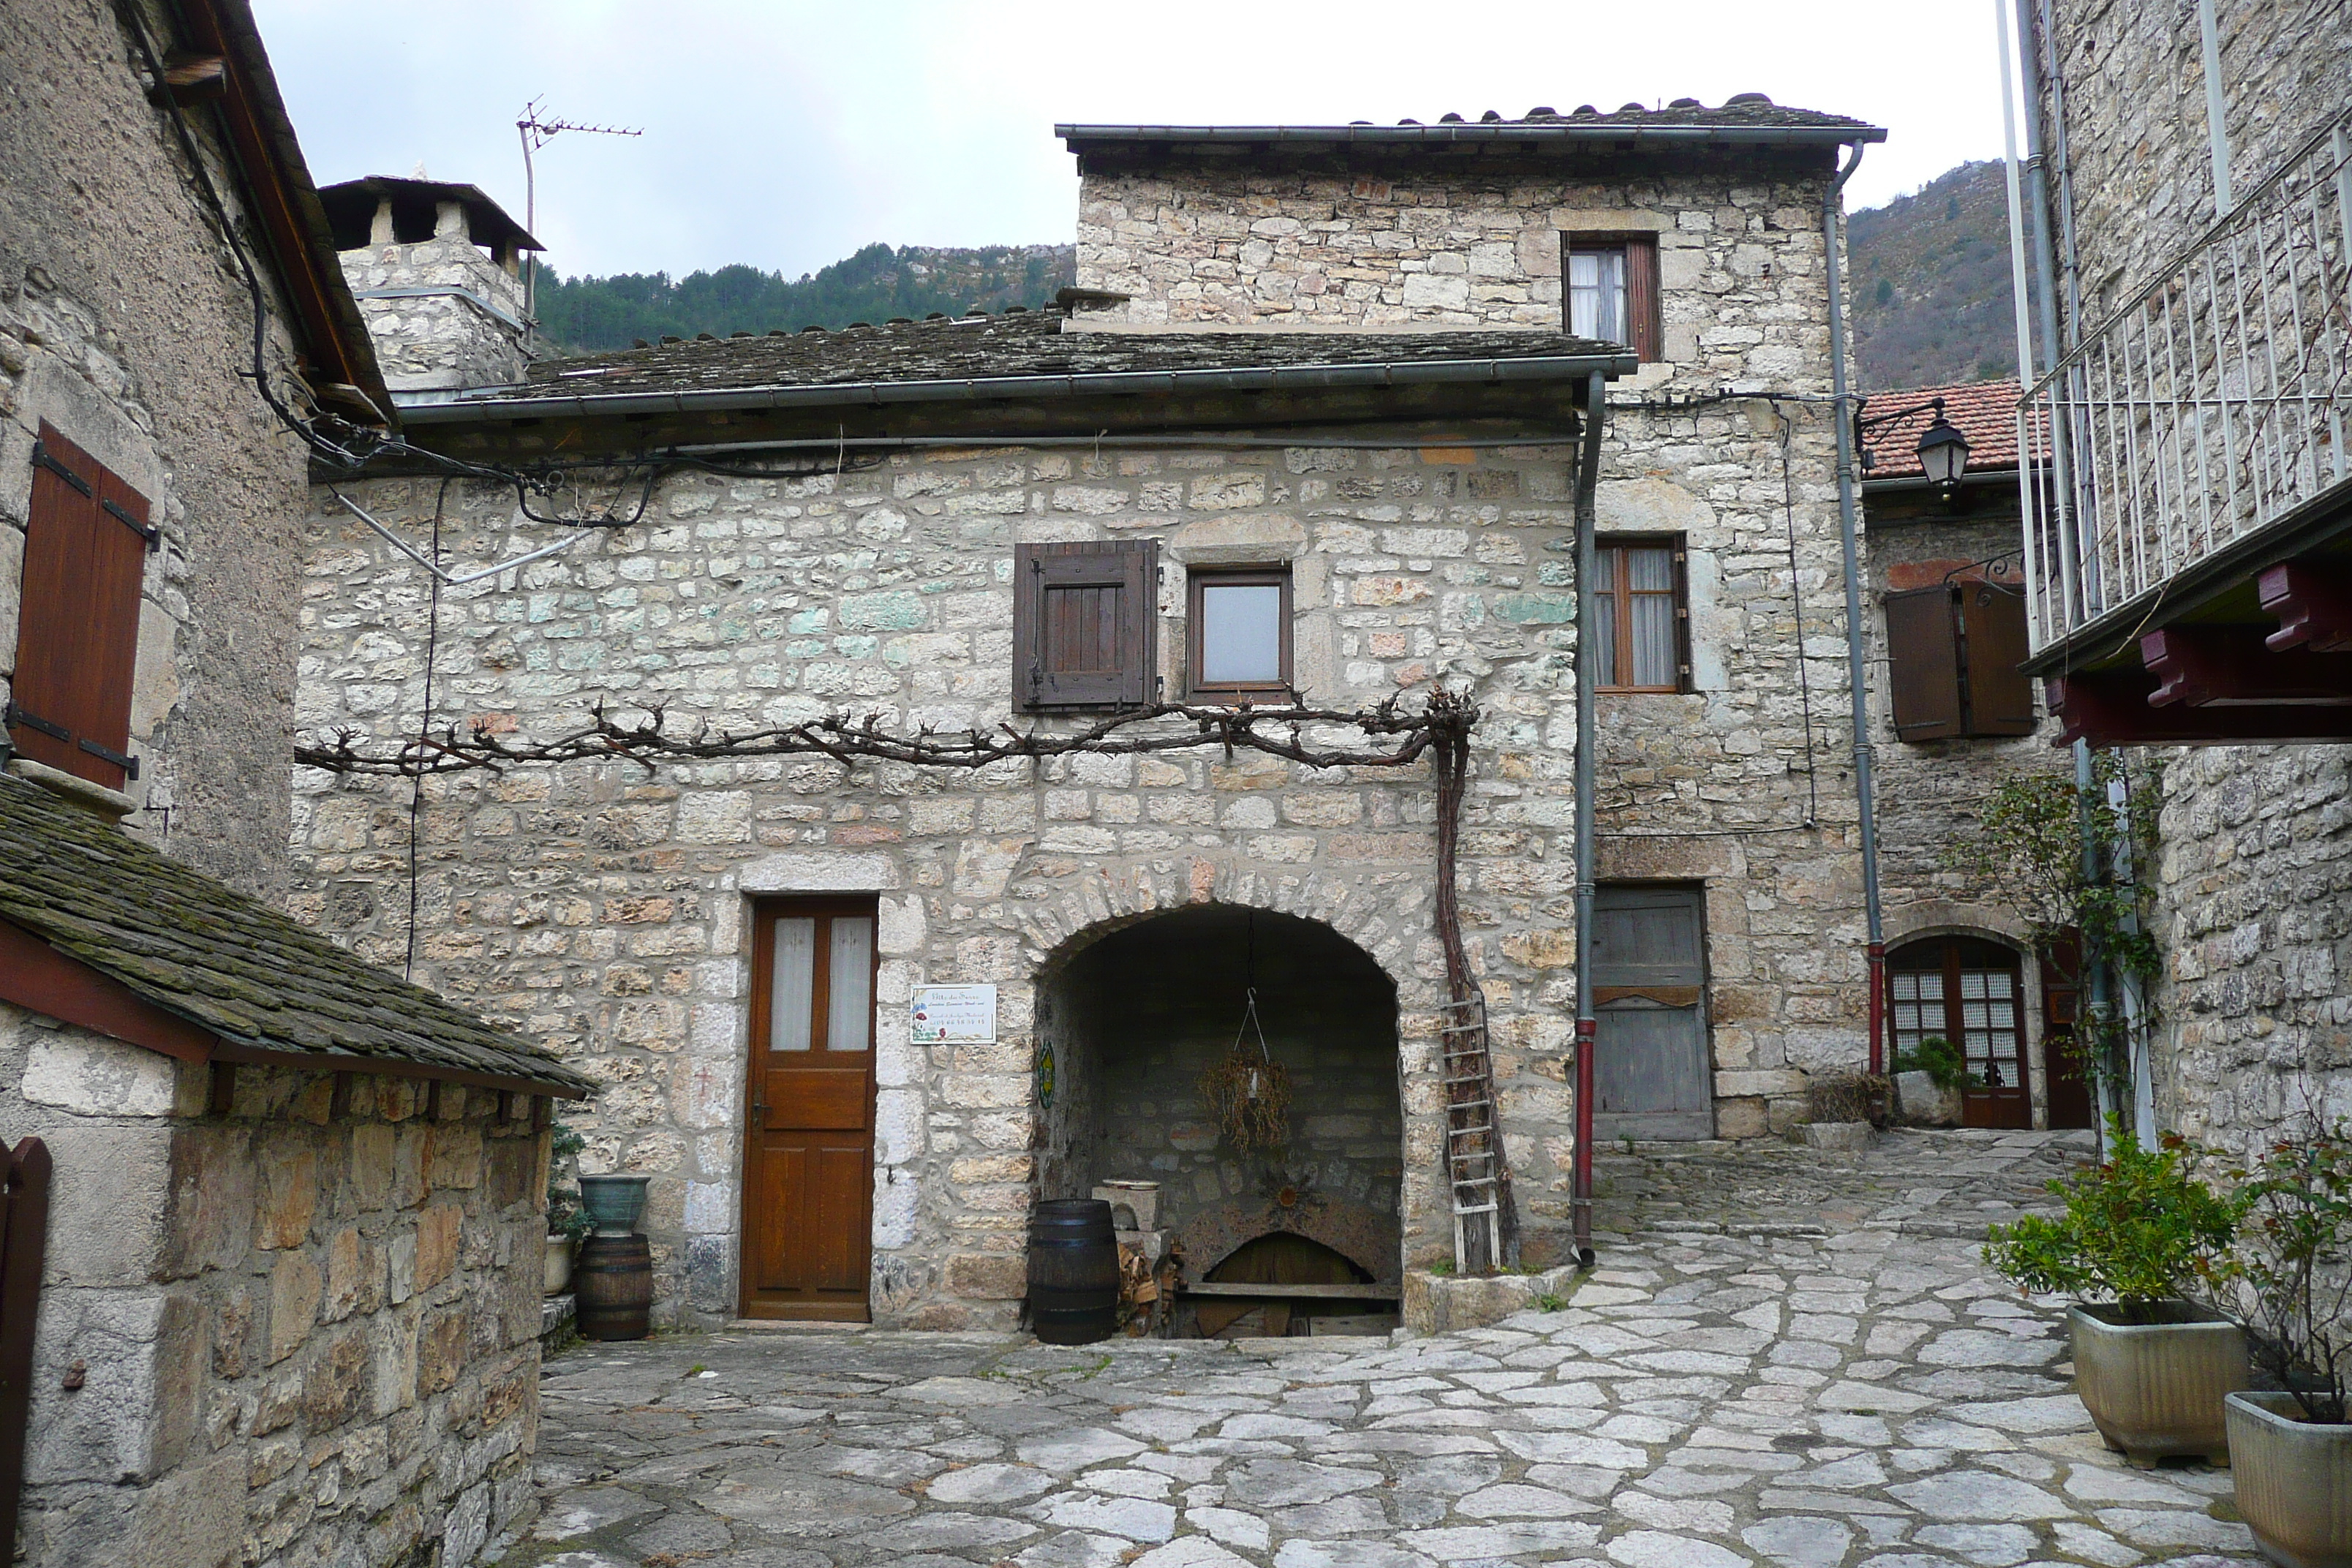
1473 1139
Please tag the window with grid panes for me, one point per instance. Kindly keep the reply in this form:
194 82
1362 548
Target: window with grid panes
1638 616
1969 994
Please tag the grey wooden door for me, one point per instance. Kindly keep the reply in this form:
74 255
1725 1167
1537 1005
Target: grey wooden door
1650 1069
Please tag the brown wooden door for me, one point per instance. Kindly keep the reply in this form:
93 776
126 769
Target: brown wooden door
2062 1060
808 1175
1970 993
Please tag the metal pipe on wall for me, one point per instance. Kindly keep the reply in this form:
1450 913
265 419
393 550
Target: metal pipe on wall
2217 130
1856 660
1588 490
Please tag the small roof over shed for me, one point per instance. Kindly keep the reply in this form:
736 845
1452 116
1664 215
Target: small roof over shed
99 930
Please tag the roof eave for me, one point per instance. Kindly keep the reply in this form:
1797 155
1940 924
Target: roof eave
1270 378
1078 137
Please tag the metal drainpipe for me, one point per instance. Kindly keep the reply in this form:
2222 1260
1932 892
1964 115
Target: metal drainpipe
1857 664
1588 485
2217 130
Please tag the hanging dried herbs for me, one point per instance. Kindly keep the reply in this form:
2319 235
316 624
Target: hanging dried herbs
1249 1091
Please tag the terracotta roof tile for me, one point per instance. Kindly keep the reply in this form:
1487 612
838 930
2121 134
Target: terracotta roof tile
1985 412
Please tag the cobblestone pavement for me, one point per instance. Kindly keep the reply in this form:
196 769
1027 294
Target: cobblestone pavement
1789 1359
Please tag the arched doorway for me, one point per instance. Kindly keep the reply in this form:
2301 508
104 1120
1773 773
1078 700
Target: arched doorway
1126 1025
1970 993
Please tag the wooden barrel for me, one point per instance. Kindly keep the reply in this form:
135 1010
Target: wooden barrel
612 1287
1073 1272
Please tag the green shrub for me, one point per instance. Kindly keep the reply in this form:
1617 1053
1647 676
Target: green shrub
566 1216
1938 1058
2139 1229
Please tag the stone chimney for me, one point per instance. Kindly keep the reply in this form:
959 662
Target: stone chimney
437 270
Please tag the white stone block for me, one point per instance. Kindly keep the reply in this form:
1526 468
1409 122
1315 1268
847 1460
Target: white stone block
79 1071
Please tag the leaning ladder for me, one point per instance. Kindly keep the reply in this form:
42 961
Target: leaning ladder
1473 1137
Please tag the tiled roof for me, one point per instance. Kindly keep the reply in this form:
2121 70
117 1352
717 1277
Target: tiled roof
1985 412
1745 115
228 963
945 352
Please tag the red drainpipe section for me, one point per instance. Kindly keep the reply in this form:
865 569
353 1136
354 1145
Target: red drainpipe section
1877 1007
1580 1181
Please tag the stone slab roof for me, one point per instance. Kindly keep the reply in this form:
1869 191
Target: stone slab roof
1747 116
1985 412
228 963
1017 347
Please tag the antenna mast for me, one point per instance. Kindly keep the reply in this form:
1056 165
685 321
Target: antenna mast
537 131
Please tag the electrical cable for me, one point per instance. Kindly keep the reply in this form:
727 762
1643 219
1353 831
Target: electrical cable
424 726
1797 597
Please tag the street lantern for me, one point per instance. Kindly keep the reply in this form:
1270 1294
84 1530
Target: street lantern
1943 452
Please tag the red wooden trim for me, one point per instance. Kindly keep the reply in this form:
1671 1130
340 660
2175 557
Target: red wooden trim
2111 708
24 1236
2236 665
36 975
2313 604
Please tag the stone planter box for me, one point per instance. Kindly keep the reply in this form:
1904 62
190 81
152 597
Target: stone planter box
2156 1389
2295 1481
559 1265
1924 1104
1440 1304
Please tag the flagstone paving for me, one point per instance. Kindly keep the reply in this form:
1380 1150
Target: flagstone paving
1787 1360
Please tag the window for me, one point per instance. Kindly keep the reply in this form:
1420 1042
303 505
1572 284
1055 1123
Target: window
1640 617
1612 293
86 541
1953 652
1083 625
1240 643
1970 994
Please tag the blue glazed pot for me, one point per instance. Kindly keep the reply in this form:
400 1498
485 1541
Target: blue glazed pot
613 1202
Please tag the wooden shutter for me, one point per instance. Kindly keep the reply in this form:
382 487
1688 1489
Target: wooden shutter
1641 313
2000 694
77 630
1923 659
1084 618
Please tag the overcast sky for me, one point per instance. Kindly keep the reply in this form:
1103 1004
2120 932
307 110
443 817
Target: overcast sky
788 133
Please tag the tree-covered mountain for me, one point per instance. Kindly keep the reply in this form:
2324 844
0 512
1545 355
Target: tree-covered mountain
1931 291
875 284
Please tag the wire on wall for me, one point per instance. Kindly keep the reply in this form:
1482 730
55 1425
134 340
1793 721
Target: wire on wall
1797 598
424 723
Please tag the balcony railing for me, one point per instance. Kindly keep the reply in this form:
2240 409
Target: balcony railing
2212 405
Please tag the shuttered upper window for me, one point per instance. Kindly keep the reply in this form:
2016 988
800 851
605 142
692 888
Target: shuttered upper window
86 541
1612 293
1083 625
1953 652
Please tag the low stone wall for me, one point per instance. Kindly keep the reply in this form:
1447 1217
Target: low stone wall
305 1330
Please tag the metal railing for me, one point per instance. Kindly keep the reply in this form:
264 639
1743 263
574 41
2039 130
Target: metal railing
2210 405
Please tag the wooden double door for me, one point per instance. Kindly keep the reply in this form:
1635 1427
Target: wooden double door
808 1145
1971 993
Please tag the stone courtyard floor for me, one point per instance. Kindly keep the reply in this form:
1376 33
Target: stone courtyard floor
1784 1358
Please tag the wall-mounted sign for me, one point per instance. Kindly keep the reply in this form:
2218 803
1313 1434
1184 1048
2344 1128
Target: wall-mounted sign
954 1016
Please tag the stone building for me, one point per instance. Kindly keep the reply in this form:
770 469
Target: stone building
1953 716
1309 424
2190 579
287 1307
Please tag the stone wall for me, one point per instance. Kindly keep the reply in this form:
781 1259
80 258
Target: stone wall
1428 245
443 313
306 1329
601 909
124 323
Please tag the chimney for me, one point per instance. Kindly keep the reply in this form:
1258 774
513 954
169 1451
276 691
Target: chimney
438 271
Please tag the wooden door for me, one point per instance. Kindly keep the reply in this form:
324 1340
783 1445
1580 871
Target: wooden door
2062 1060
1970 993
808 1160
1650 1070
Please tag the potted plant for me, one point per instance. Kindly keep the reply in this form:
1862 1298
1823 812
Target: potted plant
567 1217
2150 1366
2287 1269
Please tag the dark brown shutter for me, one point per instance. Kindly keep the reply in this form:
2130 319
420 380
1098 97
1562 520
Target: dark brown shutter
1642 300
78 629
2000 694
1083 619
1683 680
1923 660
25 1174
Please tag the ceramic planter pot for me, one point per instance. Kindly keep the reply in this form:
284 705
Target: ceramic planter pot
2295 1481
559 1265
613 1202
2156 1389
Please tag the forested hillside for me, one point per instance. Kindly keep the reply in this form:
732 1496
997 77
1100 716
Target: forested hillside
1931 292
874 285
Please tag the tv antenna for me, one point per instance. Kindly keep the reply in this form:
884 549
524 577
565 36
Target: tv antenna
537 129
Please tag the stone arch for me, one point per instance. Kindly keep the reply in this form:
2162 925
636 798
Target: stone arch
1943 917
1361 1235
